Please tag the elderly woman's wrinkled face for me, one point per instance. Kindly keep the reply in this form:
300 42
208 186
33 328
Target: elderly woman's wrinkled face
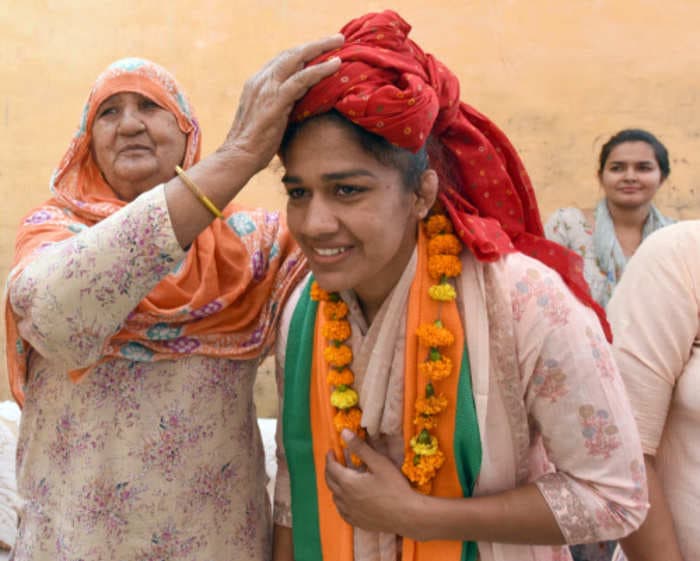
136 144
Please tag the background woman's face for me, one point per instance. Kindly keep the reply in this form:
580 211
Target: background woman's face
631 175
352 216
136 144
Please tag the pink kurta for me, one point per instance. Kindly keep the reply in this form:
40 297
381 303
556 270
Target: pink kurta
140 460
655 318
550 404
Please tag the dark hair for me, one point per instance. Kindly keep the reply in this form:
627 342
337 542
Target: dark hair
637 135
410 165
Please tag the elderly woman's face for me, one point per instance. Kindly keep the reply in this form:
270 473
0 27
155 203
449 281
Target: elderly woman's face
136 144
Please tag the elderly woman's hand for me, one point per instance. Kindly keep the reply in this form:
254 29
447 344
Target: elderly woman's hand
268 98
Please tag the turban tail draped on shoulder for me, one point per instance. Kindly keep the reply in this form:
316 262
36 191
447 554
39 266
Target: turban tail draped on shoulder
221 301
390 87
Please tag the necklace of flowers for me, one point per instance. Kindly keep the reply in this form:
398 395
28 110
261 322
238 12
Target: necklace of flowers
423 456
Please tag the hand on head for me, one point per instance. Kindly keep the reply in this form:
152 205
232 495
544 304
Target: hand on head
368 499
268 98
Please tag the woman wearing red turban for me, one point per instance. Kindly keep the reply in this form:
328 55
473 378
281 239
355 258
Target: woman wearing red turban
442 328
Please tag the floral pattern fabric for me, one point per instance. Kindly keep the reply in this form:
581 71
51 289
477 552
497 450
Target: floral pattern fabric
570 227
553 381
140 460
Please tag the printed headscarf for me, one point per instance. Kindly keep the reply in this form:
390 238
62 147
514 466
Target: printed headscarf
389 86
221 301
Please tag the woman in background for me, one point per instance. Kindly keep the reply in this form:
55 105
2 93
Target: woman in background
633 165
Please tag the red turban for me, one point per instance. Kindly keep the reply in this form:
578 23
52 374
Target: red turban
390 87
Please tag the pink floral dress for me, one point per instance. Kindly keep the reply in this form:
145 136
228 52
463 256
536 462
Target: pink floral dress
140 460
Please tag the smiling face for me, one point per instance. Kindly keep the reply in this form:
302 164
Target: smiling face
353 216
631 175
136 144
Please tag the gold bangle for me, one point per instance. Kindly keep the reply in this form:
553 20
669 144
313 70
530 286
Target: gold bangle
192 186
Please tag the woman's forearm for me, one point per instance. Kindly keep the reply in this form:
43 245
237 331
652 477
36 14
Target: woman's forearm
656 536
519 515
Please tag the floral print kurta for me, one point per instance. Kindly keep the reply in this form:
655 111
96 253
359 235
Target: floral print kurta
139 460
551 405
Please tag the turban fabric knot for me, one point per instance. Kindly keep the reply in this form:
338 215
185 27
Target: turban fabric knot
387 85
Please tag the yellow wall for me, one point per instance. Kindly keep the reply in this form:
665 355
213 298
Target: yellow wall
558 77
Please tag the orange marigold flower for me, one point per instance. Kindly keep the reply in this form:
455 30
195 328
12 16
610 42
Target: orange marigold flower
444 265
438 224
426 488
436 369
318 294
421 470
432 335
336 330
342 377
444 244
338 356
427 422
335 310
348 419
431 405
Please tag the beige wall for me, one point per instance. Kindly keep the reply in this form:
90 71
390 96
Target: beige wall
558 77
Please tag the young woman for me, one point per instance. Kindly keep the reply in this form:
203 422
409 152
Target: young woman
633 165
427 330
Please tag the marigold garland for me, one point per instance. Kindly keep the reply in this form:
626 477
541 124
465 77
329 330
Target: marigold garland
438 224
343 377
335 310
447 244
423 455
336 330
339 356
440 266
435 335
442 292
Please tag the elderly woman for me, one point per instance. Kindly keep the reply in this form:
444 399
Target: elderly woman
632 166
497 424
655 314
136 320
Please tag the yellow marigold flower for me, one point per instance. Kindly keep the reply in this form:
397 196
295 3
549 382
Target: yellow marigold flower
431 405
444 244
338 356
344 399
436 369
342 377
444 265
438 224
429 448
432 335
336 330
335 310
425 422
443 292
347 419
318 294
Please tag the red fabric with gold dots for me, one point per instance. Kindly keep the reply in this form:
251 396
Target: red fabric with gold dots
389 86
